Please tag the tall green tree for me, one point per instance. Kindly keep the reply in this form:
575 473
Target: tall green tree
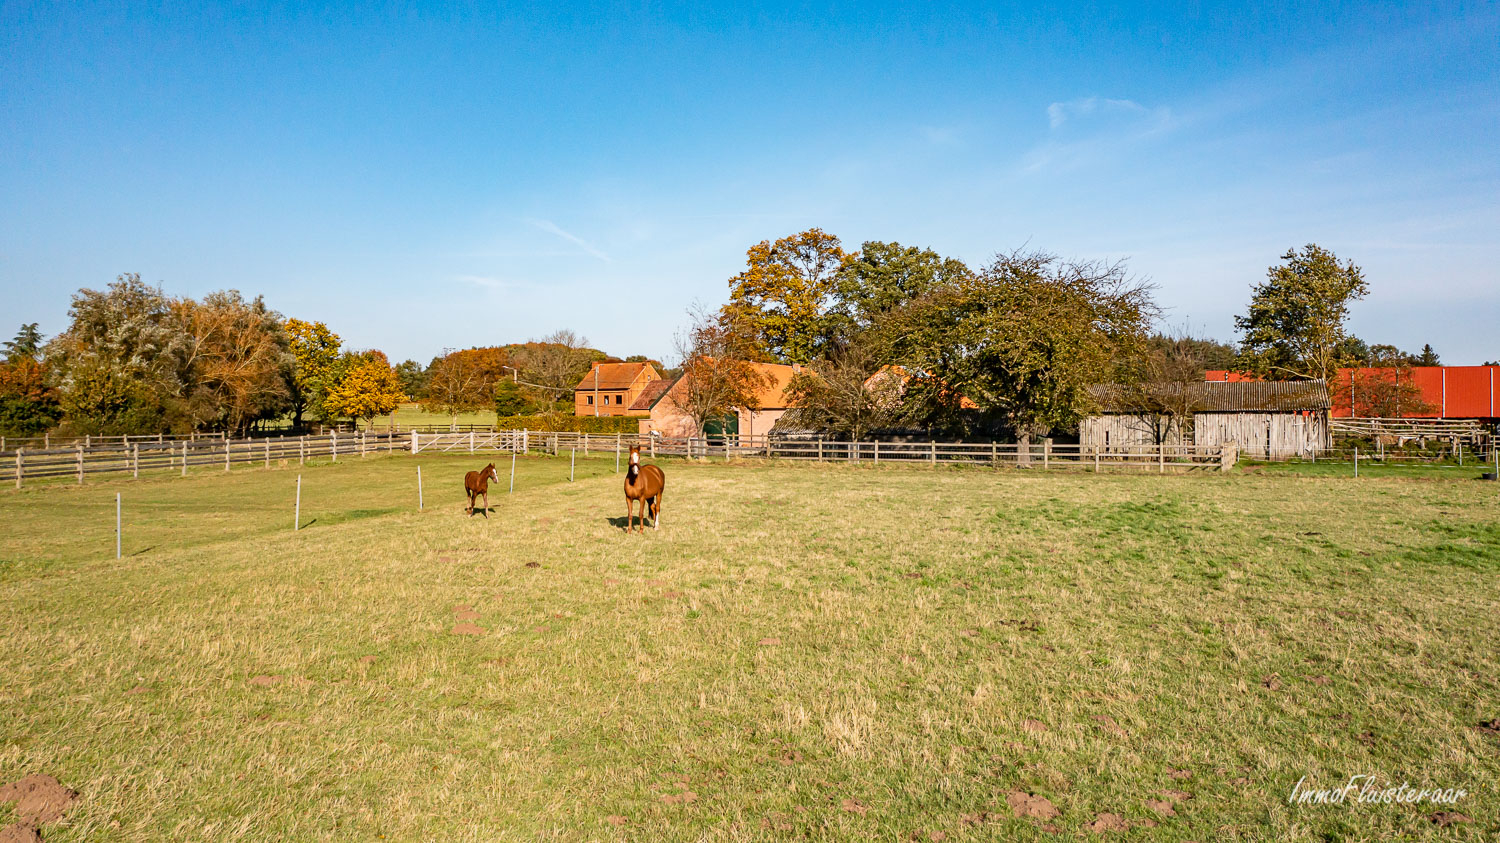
28 343
1295 325
1024 339
880 279
122 365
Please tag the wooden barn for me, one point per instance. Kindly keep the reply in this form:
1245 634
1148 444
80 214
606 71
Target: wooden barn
1266 419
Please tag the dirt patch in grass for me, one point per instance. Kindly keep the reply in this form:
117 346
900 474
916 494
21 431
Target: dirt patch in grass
854 806
1024 804
366 659
467 629
1443 819
615 819
139 689
769 642
18 833
1109 725
1108 822
1033 726
1161 806
39 799
533 564
466 615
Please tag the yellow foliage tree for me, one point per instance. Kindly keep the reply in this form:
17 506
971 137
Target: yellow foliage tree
370 388
781 295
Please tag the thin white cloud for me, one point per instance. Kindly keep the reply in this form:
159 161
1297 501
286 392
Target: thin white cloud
1059 113
485 282
553 228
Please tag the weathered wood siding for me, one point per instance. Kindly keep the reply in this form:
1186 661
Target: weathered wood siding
1264 435
1114 432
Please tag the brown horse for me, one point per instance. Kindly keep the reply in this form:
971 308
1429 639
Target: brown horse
477 484
643 483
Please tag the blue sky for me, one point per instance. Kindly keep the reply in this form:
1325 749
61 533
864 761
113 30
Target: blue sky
429 177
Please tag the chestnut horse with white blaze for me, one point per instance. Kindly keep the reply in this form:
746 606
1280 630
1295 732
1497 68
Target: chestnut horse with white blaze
477 484
643 483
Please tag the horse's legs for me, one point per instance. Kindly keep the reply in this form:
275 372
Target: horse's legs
469 509
656 512
486 503
629 514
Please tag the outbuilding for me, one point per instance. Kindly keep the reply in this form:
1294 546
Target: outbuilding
1266 419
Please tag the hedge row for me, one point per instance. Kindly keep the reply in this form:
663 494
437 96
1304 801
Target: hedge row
573 424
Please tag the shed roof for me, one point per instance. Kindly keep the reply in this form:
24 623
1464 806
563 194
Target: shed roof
1222 397
613 376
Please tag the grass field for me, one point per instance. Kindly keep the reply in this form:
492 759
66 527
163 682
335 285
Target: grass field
412 414
801 651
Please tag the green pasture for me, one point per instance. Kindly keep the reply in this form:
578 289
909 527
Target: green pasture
801 651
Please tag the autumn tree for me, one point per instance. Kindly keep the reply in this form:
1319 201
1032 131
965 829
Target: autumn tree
552 366
718 376
456 384
238 357
781 297
27 404
1295 325
368 389
1024 339
315 350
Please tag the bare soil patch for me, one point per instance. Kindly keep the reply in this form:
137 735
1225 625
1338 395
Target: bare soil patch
467 629
18 833
769 642
1107 822
1024 804
39 799
1035 726
1443 819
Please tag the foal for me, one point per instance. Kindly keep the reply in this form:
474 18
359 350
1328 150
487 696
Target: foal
477 484
643 483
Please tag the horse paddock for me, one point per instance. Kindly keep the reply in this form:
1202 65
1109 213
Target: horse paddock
830 652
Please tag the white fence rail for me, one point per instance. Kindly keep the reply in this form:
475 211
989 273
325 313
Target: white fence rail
1043 454
150 454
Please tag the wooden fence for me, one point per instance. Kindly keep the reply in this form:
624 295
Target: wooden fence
1043 454
117 455
150 454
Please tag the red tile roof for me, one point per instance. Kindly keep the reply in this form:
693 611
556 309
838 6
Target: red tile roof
613 376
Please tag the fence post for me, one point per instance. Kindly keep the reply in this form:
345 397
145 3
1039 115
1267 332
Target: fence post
932 452
653 447
302 450
117 525
876 443
363 447
184 457
419 488
297 511
80 462
585 444
20 466
820 449
471 441
572 462
512 472
1161 458
414 447
334 443
135 460
226 454
267 443
1096 459
1046 452
1228 456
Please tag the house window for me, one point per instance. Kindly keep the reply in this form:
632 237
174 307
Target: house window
619 399
591 399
